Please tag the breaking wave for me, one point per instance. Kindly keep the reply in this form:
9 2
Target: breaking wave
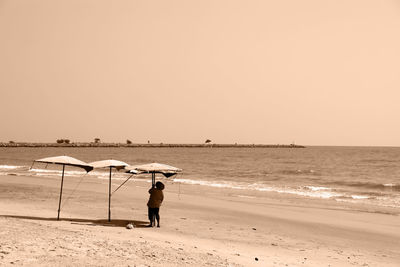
311 191
10 167
369 185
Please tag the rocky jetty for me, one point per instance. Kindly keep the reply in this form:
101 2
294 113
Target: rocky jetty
25 144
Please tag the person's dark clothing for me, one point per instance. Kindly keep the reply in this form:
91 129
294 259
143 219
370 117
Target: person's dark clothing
154 212
154 204
156 198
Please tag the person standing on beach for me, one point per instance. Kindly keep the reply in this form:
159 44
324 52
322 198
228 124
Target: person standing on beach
154 203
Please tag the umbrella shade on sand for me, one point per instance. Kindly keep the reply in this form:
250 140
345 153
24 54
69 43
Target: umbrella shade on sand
154 168
65 161
109 163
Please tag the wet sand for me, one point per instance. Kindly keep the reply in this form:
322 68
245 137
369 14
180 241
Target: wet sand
200 226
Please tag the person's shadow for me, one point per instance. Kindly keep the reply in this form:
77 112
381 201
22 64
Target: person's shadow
105 222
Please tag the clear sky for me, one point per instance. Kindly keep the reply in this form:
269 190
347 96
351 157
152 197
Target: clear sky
313 72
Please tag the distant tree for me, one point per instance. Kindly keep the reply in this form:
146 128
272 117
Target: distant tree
128 142
208 141
97 140
11 142
63 141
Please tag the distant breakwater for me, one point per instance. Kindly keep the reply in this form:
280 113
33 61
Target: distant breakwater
155 145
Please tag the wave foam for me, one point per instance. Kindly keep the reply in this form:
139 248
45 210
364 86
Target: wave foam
359 197
390 185
44 172
317 188
315 192
10 167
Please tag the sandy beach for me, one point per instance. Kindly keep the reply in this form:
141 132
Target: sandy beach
200 226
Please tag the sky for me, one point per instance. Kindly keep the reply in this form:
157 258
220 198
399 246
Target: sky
266 72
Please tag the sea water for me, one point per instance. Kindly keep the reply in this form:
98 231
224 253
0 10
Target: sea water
369 175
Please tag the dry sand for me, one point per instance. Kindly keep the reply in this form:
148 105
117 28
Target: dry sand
200 226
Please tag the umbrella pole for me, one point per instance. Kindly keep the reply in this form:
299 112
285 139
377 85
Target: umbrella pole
153 178
109 197
59 202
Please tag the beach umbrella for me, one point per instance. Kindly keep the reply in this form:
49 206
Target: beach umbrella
65 161
109 163
154 168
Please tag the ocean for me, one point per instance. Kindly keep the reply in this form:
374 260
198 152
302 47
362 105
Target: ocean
368 175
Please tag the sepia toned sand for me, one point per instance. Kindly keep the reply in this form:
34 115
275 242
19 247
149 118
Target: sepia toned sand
200 226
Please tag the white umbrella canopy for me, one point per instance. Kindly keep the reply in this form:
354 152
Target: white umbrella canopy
154 168
65 161
109 163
